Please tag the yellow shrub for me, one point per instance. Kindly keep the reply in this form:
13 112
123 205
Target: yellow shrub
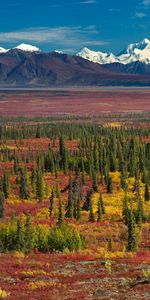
4 294
34 272
43 213
18 254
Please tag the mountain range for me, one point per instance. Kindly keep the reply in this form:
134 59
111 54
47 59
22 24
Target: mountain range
27 65
134 52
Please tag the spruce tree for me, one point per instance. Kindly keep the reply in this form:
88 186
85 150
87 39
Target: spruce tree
39 186
60 214
94 182
51 203
6 184
100 208
2 200
123 176
16 164
33 180
99 211
109 185
38 133
102 204
146 193
140 211
132 233
69 211
83 171
125 210
96 157
28 238
20 236
86 204
63 155
57 191
24 189
78 216
91 213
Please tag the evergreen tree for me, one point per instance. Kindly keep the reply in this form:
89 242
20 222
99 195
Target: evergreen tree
102 204
75 208
81 188
75 191
137 186
125 210
63 155
94 182
2 200
51 203
58 192
83 171
69 211
60 214
20 237
132 233
86 204
110 243
16 164
6 184
91 213
39 186
38 133
24 189
96 157
140 211
28 237
99 211
109 185
146 192
123 176
33 180
78 216
100 208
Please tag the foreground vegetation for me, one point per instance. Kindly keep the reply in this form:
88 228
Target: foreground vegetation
80 188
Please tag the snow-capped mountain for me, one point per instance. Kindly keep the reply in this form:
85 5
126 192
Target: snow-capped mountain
27 48
97 57
2 50
59 51
137 52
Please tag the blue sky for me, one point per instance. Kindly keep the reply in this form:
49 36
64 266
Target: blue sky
70 25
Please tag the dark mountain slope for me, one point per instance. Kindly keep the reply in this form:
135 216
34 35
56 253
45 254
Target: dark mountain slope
20 68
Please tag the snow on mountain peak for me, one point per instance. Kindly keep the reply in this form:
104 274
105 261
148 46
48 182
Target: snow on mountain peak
27 48
97 56
146 41
59 51
136 46
134 52
2 50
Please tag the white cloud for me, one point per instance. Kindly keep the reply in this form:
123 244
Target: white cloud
114 9
140 15
66 37
146 2
88 2
70 3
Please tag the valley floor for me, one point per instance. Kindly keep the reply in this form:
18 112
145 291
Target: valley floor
73 102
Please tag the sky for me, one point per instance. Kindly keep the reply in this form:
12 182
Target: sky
70 25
